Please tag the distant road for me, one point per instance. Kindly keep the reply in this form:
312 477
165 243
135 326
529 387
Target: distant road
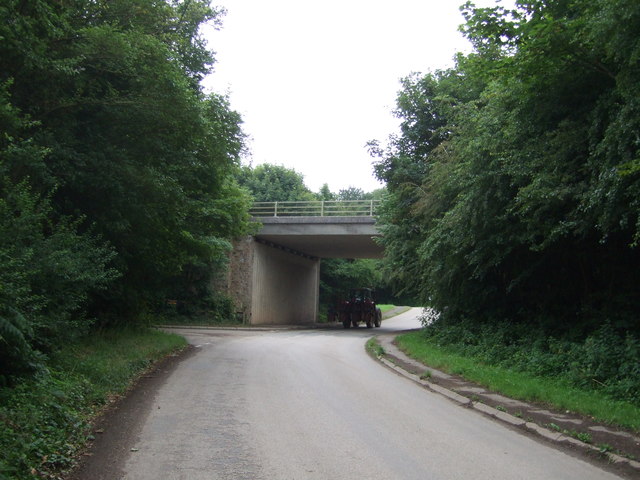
310 404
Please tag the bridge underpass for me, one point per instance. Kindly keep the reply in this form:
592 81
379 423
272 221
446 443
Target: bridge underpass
274 276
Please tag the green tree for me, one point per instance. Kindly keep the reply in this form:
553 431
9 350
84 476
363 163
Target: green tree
103 116
326 194
274 183
350 193
47 272
513 187
338 276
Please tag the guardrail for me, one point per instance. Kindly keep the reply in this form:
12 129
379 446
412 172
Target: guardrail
319 208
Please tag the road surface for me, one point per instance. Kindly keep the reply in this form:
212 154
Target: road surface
310 404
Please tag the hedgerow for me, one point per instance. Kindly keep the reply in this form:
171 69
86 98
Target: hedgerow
607 360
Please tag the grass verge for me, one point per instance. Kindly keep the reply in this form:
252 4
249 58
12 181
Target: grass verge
385 307
44 420
374 347
522 386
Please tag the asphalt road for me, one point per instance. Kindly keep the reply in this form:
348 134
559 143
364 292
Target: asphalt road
310 404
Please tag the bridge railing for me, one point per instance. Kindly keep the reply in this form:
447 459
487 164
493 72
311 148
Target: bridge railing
319 208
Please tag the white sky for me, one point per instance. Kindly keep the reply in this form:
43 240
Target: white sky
314 81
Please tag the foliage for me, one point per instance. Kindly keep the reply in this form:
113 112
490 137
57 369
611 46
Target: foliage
351 193
44 420
212 308
338 276
513 186
325 193
608 360
435 351
116 169
374 348
274 183
47 271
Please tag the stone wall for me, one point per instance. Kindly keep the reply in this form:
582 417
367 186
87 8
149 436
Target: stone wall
239 276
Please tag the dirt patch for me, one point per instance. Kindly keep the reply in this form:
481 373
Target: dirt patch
117 428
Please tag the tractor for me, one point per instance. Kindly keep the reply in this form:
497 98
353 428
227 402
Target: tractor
359 307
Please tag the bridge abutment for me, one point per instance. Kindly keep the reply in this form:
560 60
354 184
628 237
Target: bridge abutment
274 277
272 285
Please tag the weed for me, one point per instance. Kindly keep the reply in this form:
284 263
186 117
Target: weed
44 420
375 348
501 408
426 375
605 448
582 436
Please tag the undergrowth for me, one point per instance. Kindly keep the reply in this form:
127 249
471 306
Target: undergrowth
595 377
44 420
607 360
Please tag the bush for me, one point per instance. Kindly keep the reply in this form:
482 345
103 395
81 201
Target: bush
47 272
212 308
44 418
607 360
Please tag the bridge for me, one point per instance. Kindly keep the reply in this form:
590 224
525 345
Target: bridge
274 275
323 229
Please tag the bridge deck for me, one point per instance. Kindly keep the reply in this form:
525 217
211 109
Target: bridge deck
324 237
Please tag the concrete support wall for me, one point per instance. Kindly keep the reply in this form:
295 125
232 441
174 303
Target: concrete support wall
285 287
271 286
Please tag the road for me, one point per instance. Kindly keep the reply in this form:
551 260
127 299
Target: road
310 404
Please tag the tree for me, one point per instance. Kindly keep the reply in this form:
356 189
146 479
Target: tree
338 276
350 193
326 194
47 272
106 129
274 183
513 188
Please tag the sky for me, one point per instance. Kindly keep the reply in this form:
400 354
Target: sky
315 81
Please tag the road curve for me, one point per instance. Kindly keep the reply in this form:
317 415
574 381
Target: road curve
310 404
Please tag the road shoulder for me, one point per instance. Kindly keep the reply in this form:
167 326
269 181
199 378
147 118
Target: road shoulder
116 430
558 428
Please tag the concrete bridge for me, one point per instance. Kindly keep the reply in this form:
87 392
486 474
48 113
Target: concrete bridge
274 276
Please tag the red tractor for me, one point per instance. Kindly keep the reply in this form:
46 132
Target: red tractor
360 307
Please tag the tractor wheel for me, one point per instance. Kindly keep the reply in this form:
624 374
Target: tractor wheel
378 319
368 320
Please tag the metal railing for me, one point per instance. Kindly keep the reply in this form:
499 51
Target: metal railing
319 208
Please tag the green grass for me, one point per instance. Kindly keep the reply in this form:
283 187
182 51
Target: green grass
374 347
111 359
522 386
385 307
44 420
